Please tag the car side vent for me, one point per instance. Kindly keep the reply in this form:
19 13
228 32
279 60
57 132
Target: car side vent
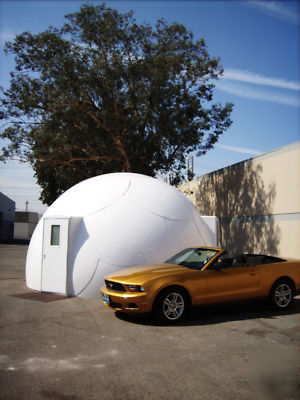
117 287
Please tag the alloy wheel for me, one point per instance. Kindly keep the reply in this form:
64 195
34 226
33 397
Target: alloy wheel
173 306
283 295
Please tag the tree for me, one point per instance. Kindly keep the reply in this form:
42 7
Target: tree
104 94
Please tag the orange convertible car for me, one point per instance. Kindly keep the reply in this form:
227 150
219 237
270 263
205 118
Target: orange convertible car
197 276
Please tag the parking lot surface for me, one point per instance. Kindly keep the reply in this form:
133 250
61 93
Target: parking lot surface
60 348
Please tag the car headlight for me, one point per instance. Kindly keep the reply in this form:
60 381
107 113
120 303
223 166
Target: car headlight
135 288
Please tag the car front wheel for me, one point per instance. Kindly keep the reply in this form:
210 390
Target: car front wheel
171 305
282 294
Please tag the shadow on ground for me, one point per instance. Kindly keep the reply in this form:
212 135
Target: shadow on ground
217 314
15 241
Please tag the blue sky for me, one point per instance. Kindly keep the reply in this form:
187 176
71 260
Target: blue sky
257 42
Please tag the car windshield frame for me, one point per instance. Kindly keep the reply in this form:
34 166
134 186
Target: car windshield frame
193 257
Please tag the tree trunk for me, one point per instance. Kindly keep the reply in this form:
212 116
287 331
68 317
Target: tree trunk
122 151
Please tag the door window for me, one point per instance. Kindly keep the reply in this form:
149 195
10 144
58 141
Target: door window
55 232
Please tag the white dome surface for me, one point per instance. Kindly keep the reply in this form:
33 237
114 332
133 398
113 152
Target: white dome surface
113 221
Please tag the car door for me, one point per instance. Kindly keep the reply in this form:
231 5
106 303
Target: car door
233 283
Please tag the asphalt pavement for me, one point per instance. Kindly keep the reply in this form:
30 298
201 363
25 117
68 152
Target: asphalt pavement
56 348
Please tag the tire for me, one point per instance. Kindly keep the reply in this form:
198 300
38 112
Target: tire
171 305
282 294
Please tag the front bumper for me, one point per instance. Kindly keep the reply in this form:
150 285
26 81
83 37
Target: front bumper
131 303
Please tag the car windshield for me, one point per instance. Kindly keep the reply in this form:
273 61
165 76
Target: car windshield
194 258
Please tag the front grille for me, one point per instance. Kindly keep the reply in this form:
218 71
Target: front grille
115 286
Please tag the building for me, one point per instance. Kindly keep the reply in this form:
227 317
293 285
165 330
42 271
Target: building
7 216
257 202
107 223
25 223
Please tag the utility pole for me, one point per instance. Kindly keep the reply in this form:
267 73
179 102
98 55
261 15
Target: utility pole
190 165
171 177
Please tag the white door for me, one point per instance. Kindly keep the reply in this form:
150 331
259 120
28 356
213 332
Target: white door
55 255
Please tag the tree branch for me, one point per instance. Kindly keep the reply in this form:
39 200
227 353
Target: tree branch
63 163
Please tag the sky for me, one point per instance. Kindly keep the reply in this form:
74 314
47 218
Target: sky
256 41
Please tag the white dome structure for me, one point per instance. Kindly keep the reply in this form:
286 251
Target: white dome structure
107 223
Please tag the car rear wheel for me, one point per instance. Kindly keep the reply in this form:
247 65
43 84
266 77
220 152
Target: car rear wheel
282 294
171 305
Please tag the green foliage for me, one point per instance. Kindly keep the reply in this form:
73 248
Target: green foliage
104 94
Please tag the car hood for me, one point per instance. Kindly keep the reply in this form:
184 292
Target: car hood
141 274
